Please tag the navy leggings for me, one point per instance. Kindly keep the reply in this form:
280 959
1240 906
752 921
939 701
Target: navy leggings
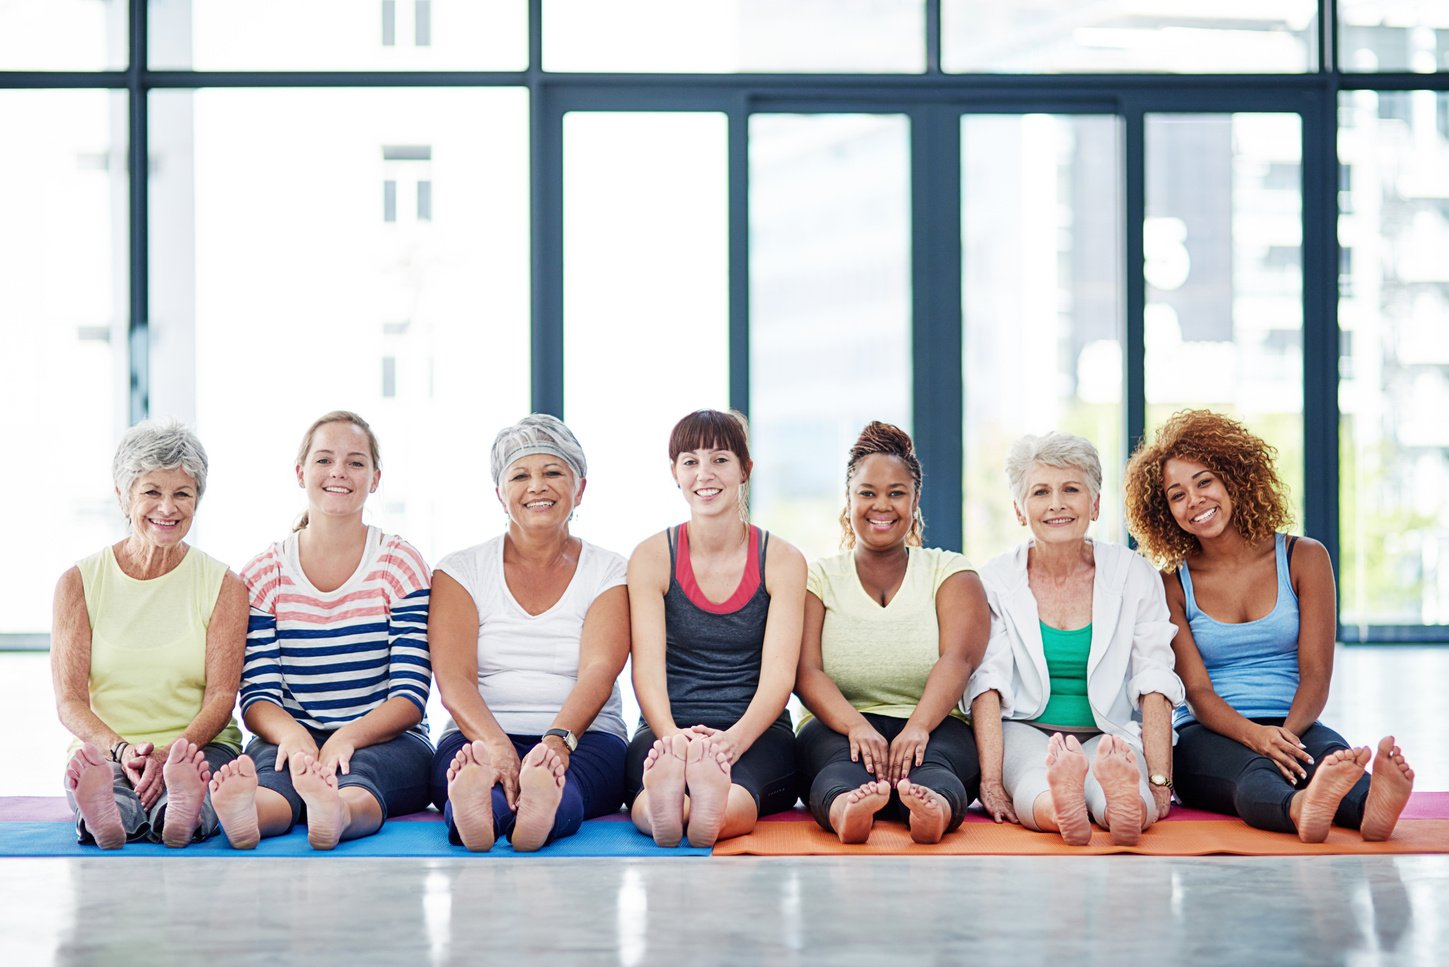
395 772
593 785
766 771
1219 774
951 767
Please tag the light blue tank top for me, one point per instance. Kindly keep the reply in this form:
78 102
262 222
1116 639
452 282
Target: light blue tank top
1253 664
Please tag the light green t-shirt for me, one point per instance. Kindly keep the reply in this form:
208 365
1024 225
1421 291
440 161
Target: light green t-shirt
880 657
148 646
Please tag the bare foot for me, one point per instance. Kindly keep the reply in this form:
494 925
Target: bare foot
1066 769
664 778
471 778
540 787
234 797
1389 790
1116 770
89 777
326 812
707 774
186 773
930 813
853 813
1333 779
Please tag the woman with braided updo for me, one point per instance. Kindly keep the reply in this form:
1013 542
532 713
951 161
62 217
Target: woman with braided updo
1255 616
892 633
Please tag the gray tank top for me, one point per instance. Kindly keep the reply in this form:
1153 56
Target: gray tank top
712 658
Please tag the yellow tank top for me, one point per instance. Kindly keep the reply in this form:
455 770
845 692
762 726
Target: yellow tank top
148 646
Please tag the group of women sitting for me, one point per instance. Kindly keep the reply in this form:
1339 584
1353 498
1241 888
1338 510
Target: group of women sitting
1052 685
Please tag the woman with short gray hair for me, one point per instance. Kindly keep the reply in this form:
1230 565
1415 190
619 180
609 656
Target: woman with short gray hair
529 632
146 655
1079 662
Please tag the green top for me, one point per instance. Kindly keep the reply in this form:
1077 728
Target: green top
1066 661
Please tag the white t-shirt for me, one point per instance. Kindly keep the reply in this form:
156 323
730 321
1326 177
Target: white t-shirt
528 664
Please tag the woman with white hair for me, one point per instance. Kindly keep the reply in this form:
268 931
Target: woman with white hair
336 678
529 632
146 652
1079 663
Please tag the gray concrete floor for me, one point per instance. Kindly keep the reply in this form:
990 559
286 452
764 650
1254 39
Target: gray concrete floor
1117 910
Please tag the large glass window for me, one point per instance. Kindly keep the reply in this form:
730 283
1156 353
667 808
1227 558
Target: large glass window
830 307
281 289
375 35
1393 35
1178 36
734 35
1042 278
63 322
63 35
1394 316
646 305
1223 250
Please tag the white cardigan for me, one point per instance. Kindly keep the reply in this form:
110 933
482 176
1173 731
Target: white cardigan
1131 653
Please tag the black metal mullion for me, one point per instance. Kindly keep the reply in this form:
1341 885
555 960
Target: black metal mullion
1134 344
933 37
546 226
138 330
739 254
937 394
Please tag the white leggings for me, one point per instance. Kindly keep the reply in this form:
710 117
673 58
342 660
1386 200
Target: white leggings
1023 773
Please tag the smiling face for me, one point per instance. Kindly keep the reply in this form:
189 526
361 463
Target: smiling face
1197 497
540 490
1059 505
162 505
710 480
883 501
338 472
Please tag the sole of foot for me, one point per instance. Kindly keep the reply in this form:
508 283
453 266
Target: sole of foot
540 788
1115 768
930 813
90 779
1389 789
471 779
1331 781
707 777
1066 768
856 810
326 812
234 797
665 782
186 774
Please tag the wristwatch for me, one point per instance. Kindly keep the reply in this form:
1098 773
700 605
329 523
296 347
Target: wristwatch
1159 780
566 735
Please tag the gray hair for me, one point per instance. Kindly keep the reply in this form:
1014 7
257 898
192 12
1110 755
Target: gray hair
537 433
151 445
1054 450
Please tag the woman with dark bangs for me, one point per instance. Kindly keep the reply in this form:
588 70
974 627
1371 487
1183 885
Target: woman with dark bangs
716 607
1256 616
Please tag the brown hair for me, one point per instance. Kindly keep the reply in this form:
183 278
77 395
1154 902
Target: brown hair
716 430
891 441
336 416
1243 462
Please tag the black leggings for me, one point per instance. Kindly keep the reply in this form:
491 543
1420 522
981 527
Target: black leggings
1219 774
951 766
766 770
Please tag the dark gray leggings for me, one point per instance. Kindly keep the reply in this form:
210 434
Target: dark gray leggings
394 772
951 766
1219 774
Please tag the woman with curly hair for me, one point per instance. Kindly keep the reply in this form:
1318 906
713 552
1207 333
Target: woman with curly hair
1255 612
893 631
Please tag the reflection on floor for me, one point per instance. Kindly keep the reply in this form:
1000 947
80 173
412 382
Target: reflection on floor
1023 910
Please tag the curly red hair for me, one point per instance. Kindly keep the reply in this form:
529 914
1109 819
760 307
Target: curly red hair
1242 460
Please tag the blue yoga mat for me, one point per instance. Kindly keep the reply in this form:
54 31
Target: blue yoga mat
395 839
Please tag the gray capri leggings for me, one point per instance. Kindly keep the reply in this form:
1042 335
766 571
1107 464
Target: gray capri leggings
1023 773
394 772
141 823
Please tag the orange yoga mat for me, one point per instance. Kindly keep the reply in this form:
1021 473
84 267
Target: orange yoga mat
1172 838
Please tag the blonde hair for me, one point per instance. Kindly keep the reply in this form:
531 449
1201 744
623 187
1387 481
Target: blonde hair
336 416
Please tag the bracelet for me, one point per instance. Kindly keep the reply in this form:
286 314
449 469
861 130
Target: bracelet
118 748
